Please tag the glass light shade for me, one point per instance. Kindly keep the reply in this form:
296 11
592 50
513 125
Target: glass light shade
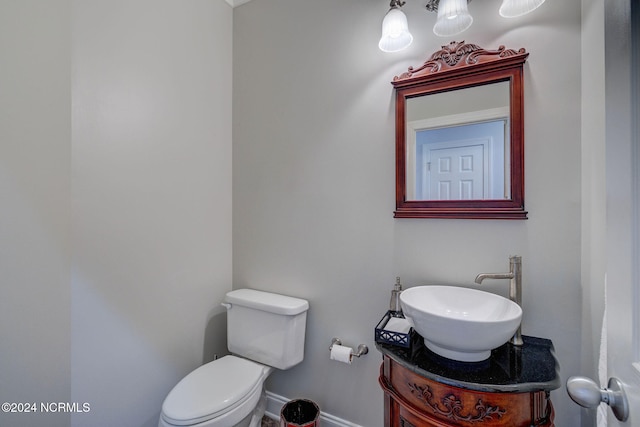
395 32
453 18
515 8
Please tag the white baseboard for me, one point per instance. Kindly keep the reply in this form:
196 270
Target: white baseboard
275 403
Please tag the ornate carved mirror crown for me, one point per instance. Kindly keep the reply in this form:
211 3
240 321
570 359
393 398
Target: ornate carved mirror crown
460 135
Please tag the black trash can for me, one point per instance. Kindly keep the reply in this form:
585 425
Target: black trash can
299 413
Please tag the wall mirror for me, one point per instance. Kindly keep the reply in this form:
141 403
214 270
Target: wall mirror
460 135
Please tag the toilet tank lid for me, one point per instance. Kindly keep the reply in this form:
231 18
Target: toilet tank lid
267 301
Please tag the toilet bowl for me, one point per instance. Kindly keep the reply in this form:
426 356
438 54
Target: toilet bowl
222 393
264 331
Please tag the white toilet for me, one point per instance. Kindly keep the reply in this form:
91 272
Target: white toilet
264 331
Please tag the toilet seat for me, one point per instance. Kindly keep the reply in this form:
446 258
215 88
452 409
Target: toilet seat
213 390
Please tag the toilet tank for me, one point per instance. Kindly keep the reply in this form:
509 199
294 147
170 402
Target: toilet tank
266 327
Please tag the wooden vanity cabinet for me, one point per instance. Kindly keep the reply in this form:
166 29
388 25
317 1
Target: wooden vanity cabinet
411 400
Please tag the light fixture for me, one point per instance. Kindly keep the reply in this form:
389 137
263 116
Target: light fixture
453 18
395 30
515 8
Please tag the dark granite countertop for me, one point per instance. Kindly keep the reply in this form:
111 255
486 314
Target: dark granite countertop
532 367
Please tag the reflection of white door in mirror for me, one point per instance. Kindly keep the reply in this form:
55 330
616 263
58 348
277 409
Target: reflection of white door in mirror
454 172
462 162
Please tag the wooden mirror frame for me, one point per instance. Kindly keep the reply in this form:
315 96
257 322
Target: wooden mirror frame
457 66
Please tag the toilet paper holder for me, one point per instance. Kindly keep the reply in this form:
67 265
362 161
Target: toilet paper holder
362 349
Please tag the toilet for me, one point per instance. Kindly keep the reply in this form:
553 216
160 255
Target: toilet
264 331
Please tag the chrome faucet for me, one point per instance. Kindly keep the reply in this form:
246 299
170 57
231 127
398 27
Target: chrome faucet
515 288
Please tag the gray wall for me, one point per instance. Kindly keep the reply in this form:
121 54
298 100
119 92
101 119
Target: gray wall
313 183
35 223
151 162
115 181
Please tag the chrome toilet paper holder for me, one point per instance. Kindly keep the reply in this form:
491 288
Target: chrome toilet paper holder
362 349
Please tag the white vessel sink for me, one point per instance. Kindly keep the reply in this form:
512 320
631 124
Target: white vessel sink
460 323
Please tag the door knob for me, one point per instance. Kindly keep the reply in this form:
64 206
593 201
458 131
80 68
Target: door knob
586 393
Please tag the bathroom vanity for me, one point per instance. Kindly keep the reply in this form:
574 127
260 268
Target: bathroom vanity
511 388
